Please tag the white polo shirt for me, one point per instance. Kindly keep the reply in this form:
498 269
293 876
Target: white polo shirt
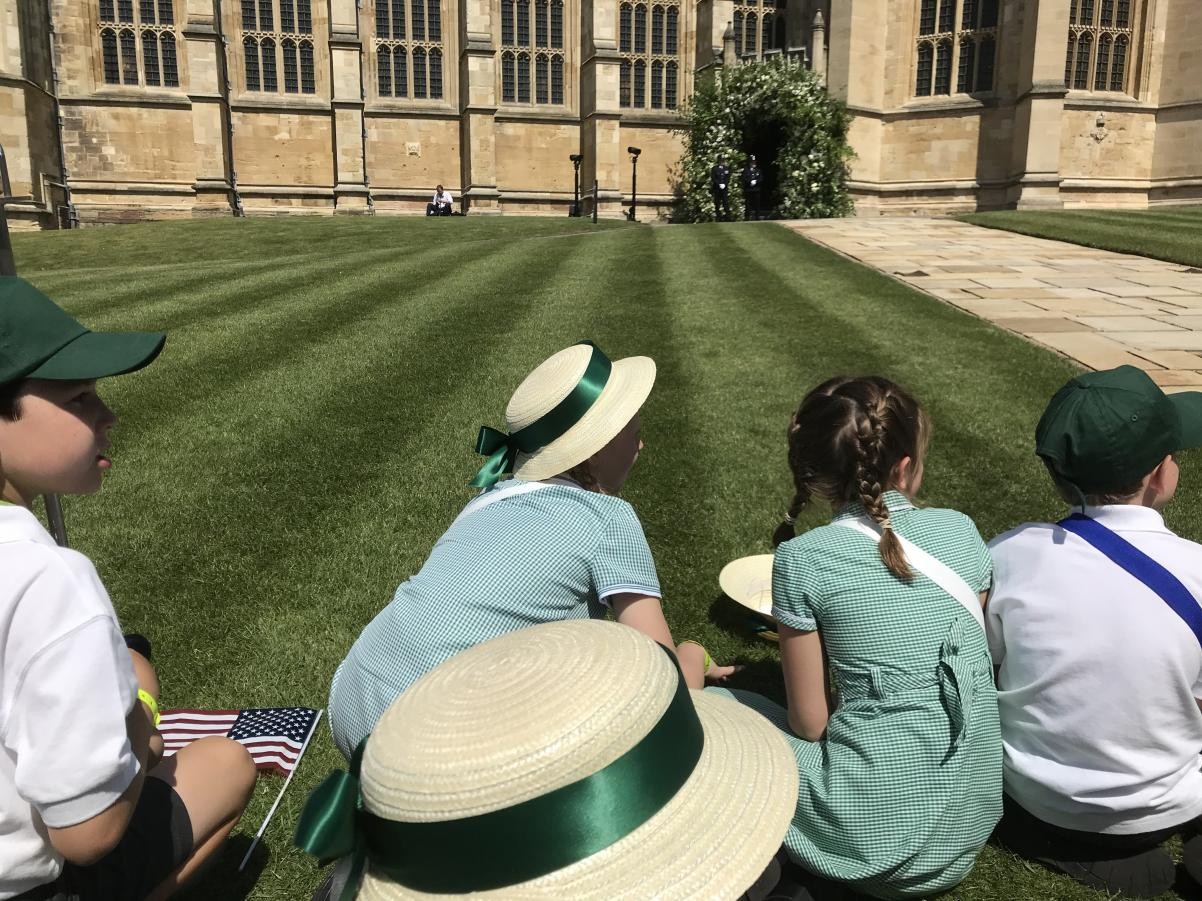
66 686
1098 677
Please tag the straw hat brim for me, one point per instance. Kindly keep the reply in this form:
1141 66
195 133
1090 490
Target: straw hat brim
748 582
630 382
712 840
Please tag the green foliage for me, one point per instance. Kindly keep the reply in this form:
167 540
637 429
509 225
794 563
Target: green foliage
733 107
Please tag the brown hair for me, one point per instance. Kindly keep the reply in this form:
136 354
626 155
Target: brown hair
582 475
845 441
10 399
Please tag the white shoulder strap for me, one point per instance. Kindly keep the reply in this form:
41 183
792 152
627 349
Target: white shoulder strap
488 498
939 573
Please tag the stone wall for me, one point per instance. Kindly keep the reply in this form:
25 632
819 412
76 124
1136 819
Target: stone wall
209 146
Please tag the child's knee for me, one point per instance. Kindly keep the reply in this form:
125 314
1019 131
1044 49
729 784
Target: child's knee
231 766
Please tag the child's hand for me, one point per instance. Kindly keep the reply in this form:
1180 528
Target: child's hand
717 673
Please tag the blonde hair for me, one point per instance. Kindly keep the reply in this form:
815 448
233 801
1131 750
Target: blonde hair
845 441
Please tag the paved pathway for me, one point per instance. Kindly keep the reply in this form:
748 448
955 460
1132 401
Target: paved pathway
1100 308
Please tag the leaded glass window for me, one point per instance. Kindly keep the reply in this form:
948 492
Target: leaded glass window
955 36
409 49
532 51
1100 36
137 43
277 37
648 39
754 27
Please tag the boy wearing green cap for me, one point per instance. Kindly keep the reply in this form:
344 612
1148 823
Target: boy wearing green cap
79 820
1095 626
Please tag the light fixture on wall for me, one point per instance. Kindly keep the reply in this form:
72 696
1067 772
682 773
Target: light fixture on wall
634 180
576 159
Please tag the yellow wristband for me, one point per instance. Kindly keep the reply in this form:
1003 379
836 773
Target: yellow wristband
709 661
148 699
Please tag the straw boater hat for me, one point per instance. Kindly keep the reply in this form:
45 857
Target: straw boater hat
567 760
748 582
565 411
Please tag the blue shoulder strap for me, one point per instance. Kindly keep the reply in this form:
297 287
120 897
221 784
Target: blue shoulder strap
1137 563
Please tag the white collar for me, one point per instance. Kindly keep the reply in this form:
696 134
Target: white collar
1127 517
19 524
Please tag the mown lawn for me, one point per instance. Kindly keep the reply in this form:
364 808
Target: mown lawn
307 433
1170 233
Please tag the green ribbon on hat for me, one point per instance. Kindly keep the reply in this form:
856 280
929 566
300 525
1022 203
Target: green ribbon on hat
515 844
502 449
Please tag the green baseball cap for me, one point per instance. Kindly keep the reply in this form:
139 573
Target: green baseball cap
38 340
1106 430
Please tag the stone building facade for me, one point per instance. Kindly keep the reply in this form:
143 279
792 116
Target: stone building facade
119 109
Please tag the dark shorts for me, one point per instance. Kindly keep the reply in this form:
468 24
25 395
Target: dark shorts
1024 834
158 840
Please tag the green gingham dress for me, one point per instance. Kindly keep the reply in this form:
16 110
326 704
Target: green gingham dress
547 555
904 789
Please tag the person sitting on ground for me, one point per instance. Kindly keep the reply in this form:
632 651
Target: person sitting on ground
88 809
1095 625
900 764
554 542
441 204
565 760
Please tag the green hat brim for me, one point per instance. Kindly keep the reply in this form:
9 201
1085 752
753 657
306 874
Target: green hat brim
1189 411
96 355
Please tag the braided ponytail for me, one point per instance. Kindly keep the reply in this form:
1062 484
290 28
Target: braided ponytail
801 493
870 473
845 443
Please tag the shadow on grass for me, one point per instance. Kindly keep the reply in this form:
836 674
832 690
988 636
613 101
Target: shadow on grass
221 880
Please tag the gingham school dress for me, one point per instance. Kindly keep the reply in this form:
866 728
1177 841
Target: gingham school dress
900 795
547 555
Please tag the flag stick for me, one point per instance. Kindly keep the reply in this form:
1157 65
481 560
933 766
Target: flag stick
280 796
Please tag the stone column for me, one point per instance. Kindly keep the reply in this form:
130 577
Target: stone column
600 111
818 46
1040 106
351 188
206 70
478 107
714 19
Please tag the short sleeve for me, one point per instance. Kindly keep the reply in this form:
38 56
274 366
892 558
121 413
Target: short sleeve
70 695
792 598
622 562
994 608
983 570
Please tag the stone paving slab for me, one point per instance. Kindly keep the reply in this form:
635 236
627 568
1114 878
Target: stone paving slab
1097 307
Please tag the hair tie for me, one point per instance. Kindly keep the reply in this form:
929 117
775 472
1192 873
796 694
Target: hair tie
790 518
887 526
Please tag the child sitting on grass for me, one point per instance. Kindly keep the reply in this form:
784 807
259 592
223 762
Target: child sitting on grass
553 542
1095 624
79 819
901 764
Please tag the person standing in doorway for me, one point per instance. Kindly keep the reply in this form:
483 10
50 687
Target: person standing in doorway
720 188
752 179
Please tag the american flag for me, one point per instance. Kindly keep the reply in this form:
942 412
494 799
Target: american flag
275 736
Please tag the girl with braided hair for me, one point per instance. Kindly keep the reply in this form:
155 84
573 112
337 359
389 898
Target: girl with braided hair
892 711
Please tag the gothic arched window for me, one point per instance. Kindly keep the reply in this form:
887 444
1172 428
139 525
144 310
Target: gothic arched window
137 45
957 36
1100 37
649 40
409 61
532 52
277 35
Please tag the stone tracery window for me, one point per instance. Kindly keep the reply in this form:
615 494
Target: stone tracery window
759 25
138 43
649 41
409 51
277 37
532 51
956 47
1101 38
